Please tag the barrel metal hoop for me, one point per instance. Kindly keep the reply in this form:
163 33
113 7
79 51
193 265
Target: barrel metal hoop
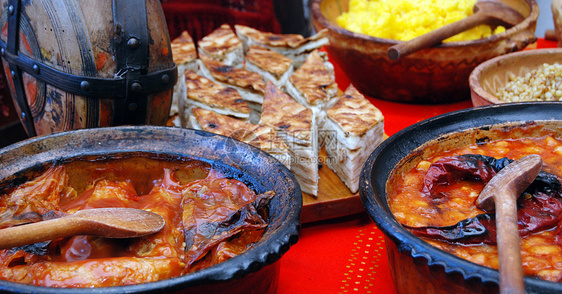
106 88
14 12
130 41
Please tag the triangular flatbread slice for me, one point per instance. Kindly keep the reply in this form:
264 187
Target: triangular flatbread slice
183 49
312 84
354 128
291 45
204 93
223 45
249 84
271 65
296 124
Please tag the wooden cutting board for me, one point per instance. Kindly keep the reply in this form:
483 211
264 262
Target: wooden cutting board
334 198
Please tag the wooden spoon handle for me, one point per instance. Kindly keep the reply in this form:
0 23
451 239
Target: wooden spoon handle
38 232
434 37
511 271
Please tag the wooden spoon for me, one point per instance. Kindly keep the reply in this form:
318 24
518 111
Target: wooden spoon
503 190
102 222
485 12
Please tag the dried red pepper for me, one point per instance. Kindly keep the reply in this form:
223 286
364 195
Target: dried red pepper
539 209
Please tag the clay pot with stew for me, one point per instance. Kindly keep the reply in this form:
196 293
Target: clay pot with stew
416 265
255 270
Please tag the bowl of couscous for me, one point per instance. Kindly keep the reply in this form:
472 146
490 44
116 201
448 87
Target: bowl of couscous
531 75
362 31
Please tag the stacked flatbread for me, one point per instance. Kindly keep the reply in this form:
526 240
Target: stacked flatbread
204 93
229 98
223 45
250 85
313 86
184 55
273 66
294 46
295 123
353 129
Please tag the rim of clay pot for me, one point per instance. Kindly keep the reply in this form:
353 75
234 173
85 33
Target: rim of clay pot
244 162
383 160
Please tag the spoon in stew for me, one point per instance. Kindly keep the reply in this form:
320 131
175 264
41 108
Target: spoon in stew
501 194
101 222
485 12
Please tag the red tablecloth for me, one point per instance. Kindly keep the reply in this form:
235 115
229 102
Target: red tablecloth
347 255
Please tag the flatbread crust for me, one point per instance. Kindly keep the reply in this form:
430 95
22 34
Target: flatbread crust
353 113
268 60
293 46
269 39
278 41
233 76
183 49
284 113
271 65
297 125
313 82
223 44
213 95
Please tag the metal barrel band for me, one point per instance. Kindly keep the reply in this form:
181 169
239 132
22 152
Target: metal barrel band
14 11
91 86
130 41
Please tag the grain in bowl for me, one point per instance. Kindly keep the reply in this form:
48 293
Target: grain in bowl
542 84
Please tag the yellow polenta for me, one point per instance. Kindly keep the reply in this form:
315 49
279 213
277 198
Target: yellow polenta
406 19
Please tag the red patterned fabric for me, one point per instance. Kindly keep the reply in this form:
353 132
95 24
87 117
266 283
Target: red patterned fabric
200 17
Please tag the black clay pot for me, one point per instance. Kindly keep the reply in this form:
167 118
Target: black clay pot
254 271
416 266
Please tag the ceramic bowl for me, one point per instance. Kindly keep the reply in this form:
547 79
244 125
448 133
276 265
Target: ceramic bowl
433 75
493 75
254 271
415 265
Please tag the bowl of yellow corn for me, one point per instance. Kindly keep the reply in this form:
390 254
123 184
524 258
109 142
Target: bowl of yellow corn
530 75
362 31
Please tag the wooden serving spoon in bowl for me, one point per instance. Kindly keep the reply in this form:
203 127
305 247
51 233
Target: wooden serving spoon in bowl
485 12
101 222
501 194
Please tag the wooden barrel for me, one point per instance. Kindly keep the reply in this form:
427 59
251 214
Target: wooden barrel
85 64
556 8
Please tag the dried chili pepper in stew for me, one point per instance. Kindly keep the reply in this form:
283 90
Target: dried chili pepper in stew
539 209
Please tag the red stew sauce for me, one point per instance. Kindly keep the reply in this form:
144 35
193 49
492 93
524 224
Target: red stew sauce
435 200
209 219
